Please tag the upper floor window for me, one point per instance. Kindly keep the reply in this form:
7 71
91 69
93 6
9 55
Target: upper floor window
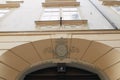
56 13
3 12
116 9
70 14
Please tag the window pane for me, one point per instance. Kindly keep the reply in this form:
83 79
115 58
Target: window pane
54 18
71 16
4 11
50 18
51 13
69 9
69 13
117 8
52 10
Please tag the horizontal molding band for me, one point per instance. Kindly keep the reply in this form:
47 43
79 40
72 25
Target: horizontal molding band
57 22
32 33
14 1
12 5
47 23
61 4
111 3
60 0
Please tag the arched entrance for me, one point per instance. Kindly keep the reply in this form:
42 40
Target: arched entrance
81 70
61 72
76 53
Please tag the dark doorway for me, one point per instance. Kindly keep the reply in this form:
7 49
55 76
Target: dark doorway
61 72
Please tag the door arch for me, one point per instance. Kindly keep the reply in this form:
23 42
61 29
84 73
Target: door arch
24 58
81 65
61 71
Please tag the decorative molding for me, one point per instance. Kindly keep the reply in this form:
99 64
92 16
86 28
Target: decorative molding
77 32
61 4
12 5
57 22
14 2
61 48
60 0
111 3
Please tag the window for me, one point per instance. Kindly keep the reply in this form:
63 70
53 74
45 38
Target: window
54 14
70 16
3 12
116 9
50 14
61 15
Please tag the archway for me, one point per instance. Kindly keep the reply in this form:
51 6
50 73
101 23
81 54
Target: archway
89 71
42 54
61 72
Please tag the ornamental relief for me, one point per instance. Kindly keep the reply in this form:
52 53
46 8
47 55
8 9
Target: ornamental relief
61 49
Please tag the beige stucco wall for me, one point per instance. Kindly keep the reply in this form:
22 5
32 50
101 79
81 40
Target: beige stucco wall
20 51
24 17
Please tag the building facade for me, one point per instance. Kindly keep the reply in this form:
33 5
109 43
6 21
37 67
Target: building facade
39 34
